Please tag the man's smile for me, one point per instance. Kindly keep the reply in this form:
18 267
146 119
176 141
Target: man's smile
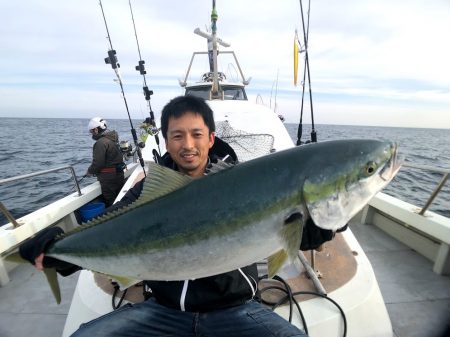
189 155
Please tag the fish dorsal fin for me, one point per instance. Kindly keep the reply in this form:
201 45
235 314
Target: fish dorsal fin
159 182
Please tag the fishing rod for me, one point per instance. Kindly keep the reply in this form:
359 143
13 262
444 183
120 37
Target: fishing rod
147 92
306 69
112 60
300 124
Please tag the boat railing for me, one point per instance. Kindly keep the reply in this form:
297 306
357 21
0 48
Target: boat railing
244 81
445 174
34 174
427 232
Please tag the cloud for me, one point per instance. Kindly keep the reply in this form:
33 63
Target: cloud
367 59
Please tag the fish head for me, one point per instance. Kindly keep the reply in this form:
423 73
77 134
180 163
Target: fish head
351 173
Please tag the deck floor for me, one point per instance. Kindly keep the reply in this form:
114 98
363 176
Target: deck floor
418 300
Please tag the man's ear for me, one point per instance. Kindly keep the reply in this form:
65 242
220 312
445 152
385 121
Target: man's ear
212 137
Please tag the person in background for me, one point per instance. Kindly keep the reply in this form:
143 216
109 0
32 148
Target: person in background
107 160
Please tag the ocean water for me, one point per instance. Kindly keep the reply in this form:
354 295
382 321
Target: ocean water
37 144
31 145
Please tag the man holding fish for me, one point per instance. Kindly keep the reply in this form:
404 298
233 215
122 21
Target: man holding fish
206 304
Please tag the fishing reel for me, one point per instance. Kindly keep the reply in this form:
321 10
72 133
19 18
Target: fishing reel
112 59
126 149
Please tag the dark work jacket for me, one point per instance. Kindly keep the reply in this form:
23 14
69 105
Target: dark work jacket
105 152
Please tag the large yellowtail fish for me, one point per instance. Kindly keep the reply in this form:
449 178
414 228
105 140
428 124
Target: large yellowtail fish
183 228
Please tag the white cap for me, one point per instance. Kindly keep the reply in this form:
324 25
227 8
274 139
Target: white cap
97 122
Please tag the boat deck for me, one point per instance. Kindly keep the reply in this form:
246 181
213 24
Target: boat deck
418 300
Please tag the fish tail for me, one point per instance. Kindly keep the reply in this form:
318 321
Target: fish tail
50 274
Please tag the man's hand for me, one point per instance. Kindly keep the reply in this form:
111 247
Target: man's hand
33 250
39 262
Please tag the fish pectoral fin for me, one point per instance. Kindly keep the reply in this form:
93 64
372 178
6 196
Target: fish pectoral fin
313 200
275 261
123 282
292 234
52 279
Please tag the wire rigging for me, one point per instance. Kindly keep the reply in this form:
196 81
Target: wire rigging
112 60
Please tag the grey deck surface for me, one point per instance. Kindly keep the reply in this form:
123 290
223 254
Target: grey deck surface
418 300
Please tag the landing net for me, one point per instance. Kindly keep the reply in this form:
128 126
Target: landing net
246 145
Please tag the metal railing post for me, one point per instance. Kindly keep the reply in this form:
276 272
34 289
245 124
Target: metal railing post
434 194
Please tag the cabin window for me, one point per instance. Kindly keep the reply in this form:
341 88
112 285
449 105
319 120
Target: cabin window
230 93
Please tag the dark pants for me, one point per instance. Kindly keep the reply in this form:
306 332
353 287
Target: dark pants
151 319
111 184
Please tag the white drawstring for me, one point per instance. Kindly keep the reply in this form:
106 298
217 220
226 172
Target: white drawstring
249 282
183 295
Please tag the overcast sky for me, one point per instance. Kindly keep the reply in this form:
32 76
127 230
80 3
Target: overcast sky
383 62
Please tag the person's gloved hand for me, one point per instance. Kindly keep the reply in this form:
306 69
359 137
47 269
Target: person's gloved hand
34 251
38 245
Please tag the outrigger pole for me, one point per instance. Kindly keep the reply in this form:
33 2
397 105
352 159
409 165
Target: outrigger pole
112 60
147 92
306 69
215 87
216 92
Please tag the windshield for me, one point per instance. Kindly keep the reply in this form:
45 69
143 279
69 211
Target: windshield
230 92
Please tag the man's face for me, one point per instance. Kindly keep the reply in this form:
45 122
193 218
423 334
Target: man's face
94 133
188 143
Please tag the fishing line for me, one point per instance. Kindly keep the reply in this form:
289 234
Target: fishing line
112 60
147 92
79 181
306 69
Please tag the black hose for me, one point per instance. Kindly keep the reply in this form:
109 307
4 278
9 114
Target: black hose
290 296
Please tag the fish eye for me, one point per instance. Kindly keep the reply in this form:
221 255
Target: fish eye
371 167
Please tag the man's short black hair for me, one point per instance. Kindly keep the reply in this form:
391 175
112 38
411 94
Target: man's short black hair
180 105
